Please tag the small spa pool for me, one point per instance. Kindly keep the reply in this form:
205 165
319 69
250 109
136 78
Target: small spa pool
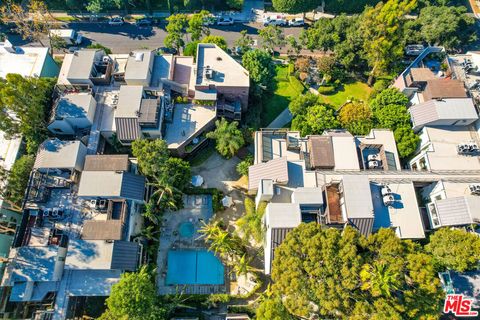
194 267
186 229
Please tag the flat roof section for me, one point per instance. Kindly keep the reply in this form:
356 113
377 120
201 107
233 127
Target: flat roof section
227 72
138 65
188 119
403 215
129 101
26 61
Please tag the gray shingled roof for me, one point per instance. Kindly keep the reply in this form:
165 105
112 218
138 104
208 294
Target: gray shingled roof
106 162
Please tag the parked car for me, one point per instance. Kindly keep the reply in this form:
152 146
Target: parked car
296 22
165 50
225 21
118 21
144 22
274 21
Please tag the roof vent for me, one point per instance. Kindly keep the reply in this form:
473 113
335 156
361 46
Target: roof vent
219 58
208 73
139 56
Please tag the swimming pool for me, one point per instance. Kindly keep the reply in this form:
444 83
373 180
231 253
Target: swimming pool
186 229
194 267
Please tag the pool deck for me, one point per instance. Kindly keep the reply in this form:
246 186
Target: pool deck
197 208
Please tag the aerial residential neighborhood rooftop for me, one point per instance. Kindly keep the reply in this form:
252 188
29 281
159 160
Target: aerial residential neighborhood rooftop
165 165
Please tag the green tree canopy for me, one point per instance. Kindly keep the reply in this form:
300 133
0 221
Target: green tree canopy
272 309
340 274
259 64
218 40
242 167
447 26
390 109
251 223
134 297
244 42
356 117
317 119
228 138
97 6
272 37
16 179
294 6
387 97
177 23
382 32
301 103
191 49
25 104
151 155
455 249
197 27
407 141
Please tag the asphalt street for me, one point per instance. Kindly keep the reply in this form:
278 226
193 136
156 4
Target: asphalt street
128 37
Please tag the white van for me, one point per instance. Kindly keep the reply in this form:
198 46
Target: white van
274 21
69 35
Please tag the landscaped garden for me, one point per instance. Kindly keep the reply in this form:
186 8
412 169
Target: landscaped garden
287 87
353 90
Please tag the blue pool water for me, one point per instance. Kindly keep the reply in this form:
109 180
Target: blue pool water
186 229
194 267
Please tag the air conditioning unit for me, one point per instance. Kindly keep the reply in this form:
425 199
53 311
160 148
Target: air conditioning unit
372 157
474 189
92 204
106 59
473 147
374 164
208 73
388 200
386 190
463 148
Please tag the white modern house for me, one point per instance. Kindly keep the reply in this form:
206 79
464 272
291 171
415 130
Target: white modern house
72 113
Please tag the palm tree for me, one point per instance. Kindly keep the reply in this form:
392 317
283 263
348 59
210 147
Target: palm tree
243 266
164 191
229 139
210 231
150 233
380 279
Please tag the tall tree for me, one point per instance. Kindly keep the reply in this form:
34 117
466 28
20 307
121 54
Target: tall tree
218 40
197 26
33 21
272 37
272 309
151 155
24 104
356 117
382 30
407 141
260 66
244 42
14 183
301 103
228 138
97 6
455 249
447 26
177 23
294 6
317 119
134 297
325 273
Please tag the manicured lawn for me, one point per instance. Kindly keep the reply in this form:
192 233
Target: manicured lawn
286 88
357 90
